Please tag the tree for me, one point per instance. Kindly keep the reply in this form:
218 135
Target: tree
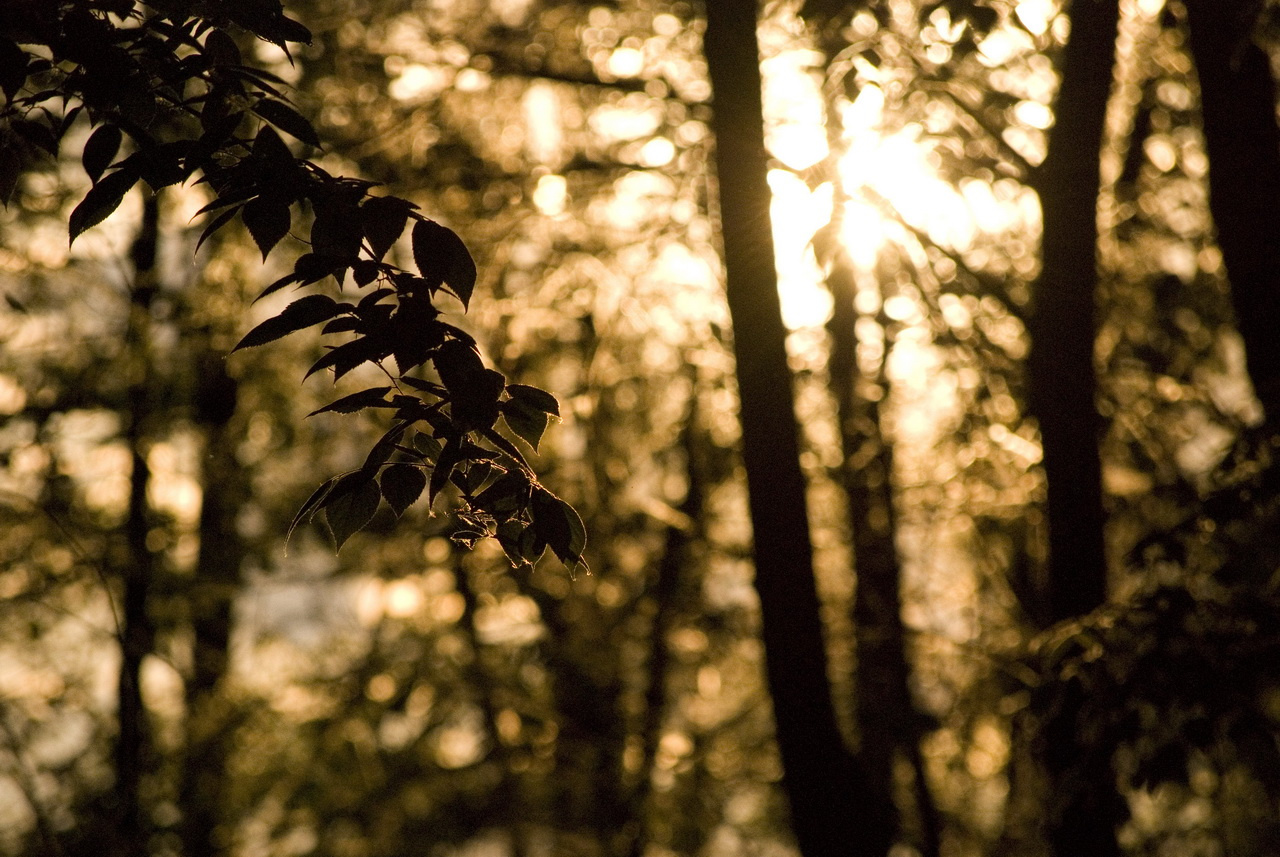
1062 395
826 788
1238 94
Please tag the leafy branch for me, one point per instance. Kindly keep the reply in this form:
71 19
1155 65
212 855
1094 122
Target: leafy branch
171 99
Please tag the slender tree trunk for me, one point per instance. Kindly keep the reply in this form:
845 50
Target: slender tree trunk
1238 111
203 781
830 802
1062 390
1060 369
887 727
666 589
135 563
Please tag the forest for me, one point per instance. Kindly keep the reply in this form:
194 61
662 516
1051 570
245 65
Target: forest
639 428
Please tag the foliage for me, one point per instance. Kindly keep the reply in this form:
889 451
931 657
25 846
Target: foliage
171 99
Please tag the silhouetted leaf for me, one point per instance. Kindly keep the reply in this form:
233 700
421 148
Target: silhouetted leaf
335 232
450 456
13 68
37 134
365 272
346 357
528 423
100 150
505 445
384 448
402 485
558 524
102 199
287 119
427 445
371 398
310 507
161 166
302 313
416 331
350 506
383 219
311 267
277 286
10 170
342 324
475 404
506 496
267 220
221 49
520 543
269 148
215 224
441 257
534 398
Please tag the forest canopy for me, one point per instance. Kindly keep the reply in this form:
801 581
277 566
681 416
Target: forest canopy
910 366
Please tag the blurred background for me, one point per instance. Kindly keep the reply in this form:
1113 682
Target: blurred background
166 657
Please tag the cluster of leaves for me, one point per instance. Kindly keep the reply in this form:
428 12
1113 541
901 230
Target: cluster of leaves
170 99
1176 675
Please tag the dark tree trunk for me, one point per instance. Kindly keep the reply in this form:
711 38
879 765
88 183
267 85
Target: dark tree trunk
1062 389
203 780
1060 371
830 804
1238 110
134 562
677 553
887 727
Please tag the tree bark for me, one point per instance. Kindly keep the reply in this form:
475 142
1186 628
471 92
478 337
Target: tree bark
135 565
827 791
1062 388
888 728
1238 112
203 782
1060 371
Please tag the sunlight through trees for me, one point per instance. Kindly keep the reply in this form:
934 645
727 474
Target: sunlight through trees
889 385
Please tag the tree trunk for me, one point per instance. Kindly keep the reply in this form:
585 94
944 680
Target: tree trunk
1238 112
135 564
1062 388
677 554
829 800
1060 371
887 726
203 780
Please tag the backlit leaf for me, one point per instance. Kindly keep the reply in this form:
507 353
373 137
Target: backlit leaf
268 221
350 506
383 218
100 150
402 485
310 507
346 357
534 397
441 257
287 119
450 456
558 524
10 170
304 312
102 199
528 423
371 398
